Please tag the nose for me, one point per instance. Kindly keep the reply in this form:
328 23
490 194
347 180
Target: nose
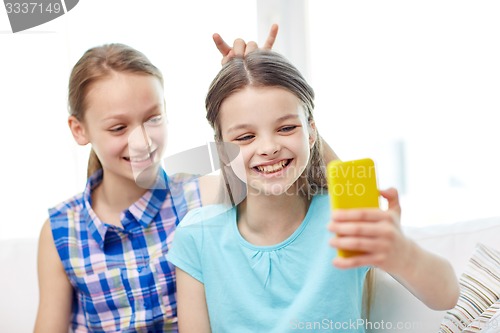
269 147
139 140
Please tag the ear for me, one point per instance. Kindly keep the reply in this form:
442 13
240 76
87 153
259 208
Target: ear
78 131
313 133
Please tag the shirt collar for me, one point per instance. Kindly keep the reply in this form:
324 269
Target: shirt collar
148 206
143 210
96 228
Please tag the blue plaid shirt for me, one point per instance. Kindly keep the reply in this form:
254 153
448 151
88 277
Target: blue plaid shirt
121 278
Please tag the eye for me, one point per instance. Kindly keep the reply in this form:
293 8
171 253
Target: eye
117 128
155 120
287 128
246 137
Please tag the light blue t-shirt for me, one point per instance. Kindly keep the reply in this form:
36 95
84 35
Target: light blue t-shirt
288 287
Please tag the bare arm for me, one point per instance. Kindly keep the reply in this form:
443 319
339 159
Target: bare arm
429 277
54 308
192 309
378 235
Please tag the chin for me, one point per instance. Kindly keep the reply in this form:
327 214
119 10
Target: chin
147 178
272 189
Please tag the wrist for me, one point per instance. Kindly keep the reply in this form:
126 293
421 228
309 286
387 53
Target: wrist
408 260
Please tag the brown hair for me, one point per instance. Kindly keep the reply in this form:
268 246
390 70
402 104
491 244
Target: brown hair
95 64
270 69
266 69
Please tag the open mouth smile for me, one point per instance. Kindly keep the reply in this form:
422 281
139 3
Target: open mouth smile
141 158
272 168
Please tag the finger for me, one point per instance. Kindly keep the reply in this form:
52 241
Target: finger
357 261
271 38
251 46
365 214
239 47
228 57
392 197
359 229
359 244
221 44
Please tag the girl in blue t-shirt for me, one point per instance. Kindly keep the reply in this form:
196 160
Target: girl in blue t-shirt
101 262
265 264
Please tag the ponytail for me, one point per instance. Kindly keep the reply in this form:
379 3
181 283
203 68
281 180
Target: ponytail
94 163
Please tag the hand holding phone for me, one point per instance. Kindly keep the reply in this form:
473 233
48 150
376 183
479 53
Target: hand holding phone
352 184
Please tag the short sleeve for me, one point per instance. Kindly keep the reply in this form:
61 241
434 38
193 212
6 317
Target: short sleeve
185 252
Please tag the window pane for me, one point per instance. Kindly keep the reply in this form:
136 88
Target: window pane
415 86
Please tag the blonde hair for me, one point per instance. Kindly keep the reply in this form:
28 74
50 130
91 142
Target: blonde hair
98 63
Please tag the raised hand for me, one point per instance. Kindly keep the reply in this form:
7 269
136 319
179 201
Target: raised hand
240 48
375 233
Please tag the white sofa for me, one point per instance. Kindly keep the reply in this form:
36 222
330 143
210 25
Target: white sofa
394 309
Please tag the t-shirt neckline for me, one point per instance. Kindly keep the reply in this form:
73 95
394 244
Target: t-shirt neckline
274 247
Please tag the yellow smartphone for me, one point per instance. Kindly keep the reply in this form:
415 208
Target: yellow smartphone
352 184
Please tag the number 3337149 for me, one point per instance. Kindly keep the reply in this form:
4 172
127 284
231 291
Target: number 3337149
32 7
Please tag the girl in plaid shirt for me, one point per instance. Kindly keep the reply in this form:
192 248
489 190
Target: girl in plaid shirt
101 260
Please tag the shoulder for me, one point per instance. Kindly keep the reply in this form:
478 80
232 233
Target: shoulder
182 179
320 202
74 203
47 252
204 225
319 209
64 216
183 183
185 190
199 231
45 234
321 197
210 214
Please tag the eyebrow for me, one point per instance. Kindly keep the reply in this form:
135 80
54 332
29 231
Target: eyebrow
280 119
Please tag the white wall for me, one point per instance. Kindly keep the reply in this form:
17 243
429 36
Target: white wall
41 165
412 84
421 78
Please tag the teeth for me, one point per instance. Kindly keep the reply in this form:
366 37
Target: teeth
272 168
139 159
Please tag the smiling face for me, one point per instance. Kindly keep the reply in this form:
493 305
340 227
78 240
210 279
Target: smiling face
124 122
270 127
